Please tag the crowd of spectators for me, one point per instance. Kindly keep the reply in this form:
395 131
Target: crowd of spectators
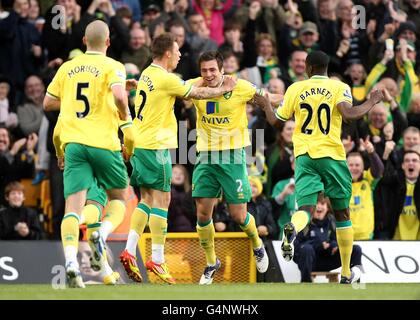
263 41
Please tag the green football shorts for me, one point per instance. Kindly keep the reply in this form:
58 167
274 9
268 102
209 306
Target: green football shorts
322 175
97 194
84 164
217 171
152 169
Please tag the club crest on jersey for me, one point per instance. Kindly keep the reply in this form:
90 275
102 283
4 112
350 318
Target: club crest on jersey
227 95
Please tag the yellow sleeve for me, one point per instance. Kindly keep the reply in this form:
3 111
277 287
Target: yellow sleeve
116 75
57 141
54 88
175 86
248 90
344 94
286 109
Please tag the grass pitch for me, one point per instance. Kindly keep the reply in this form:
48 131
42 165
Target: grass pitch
259 291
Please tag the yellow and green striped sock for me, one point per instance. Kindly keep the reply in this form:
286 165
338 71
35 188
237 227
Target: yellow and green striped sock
139 218
138 222
70 230
158 225
206 234
251 231
345 245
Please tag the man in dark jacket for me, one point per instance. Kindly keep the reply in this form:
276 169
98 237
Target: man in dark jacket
20 51
16 221
397 198
316 246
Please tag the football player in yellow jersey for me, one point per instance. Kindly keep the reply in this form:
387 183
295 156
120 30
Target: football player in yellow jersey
319 105
156 131
90 93
91 215
222 135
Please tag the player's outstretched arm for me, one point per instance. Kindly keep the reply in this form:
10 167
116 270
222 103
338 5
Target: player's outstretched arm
353 113
206 92
264 103
51 103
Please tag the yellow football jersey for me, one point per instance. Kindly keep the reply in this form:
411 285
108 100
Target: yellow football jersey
362 215
318 121
408 227
155 123
222 123
88 112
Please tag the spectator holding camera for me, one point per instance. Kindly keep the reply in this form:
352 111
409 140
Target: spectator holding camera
400 67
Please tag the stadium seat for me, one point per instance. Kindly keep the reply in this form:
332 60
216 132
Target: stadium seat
330 276
46 205
45 193
32 193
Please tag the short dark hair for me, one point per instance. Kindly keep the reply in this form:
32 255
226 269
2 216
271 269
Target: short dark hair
410 151
354 154
232 25
124 12
161 44
318 60
174 23
211 55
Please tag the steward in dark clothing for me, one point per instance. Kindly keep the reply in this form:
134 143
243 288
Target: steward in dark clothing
316 249
181 211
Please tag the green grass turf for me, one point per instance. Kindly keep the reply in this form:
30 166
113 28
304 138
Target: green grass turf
266 291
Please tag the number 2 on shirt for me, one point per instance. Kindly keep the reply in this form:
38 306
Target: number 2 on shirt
143 102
